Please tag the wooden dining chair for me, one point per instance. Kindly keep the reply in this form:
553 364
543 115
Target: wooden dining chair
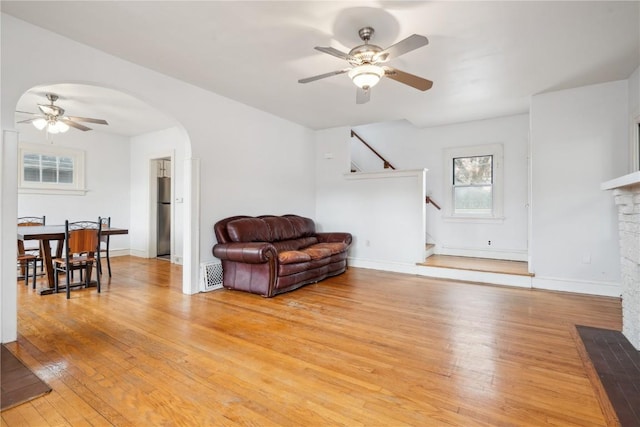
33 247
104 244
25 260
81 252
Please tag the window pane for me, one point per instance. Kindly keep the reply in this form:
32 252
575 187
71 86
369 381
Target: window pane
65 170
31 167
473 200
49 169
472 170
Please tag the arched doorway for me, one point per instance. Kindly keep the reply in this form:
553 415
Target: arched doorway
106 149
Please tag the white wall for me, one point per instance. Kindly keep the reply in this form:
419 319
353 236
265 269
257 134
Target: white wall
579 139
634 93
634 120
171 143
254 164
246 161
384 211
106 179
408 147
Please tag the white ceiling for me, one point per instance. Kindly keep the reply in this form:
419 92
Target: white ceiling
486 58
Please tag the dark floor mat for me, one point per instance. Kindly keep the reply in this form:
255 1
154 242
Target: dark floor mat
18 384
618 366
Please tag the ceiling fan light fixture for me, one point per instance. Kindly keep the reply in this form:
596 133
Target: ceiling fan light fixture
62 127
40 123
366 76
54 126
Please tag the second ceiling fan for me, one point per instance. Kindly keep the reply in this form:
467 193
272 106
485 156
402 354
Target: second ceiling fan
367 64
54 120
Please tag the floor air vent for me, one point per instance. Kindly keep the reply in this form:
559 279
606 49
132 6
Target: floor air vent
211 276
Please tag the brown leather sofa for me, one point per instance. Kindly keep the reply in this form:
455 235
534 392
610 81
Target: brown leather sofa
269 255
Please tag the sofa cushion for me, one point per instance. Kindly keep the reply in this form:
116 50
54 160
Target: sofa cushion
335 247
292 257
295 244
317 253
249 230
280 228
304 227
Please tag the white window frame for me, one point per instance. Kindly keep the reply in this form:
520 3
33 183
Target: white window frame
497 211
77 187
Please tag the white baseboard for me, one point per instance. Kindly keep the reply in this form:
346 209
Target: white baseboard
382 265
119 252
476 276
138 253
608 289
504 254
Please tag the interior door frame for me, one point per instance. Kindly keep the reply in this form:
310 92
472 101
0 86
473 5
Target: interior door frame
152 248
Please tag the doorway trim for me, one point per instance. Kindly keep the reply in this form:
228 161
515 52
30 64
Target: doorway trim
152 248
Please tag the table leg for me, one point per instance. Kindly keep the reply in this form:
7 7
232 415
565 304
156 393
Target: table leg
48 261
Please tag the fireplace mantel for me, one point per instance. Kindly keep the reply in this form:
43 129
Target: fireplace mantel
623 181
626 192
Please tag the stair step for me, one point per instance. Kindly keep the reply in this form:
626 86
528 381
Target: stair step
492 271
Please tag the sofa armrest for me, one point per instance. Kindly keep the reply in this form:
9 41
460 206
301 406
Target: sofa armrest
251 252
334 238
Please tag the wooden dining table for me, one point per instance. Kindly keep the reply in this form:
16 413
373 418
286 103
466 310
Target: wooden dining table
54 233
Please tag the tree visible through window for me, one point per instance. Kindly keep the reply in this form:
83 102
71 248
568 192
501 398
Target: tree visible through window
473 185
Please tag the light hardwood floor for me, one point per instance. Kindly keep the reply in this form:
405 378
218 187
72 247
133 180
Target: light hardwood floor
364 348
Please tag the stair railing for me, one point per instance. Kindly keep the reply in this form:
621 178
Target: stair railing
429 200
386 163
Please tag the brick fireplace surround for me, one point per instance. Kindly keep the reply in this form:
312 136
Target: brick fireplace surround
626 192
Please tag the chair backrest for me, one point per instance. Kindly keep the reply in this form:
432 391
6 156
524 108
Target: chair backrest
105 222
82 236
31 221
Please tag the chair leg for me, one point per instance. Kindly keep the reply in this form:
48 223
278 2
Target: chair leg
68 279
108 263
35 272
87 276
98 277
24 265
56 279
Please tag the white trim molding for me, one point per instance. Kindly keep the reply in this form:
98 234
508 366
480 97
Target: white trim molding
608 289
494 150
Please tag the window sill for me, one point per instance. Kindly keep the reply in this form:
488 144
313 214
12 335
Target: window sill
475 219
52 191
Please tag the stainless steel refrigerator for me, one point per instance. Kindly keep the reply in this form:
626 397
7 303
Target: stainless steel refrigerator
164 216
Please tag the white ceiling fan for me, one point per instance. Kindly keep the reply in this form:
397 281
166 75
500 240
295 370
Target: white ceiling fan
367 64
53 119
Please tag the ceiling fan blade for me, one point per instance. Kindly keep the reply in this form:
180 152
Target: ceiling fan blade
403 46
51 110
408 79
322 76
363 96
26 112
28 120
333 51
87 119
74 124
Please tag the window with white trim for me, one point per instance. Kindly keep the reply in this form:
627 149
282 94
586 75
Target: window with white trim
473 177
50 169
